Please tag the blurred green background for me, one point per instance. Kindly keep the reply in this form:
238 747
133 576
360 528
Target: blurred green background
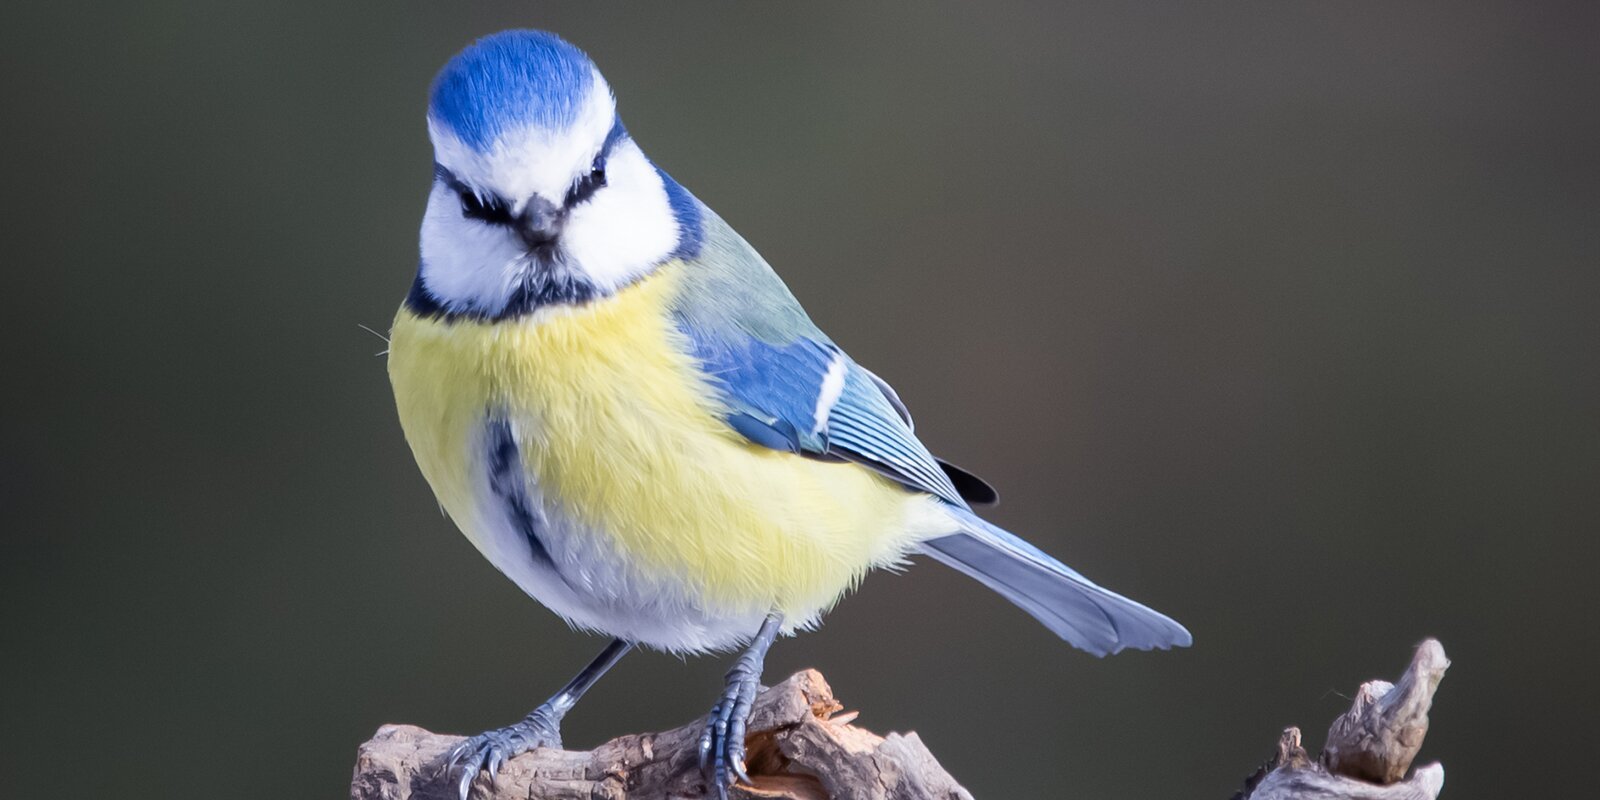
1280 318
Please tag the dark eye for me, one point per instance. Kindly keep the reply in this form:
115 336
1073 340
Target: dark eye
476 208
587 185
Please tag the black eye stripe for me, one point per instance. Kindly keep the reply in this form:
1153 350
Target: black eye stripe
588 184
495 209
492 209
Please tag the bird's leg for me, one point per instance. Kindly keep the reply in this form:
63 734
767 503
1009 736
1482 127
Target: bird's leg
722 742
542 728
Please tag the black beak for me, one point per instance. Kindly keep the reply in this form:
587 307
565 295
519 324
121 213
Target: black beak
540 223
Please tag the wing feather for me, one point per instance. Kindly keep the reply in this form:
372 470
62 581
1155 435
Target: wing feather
779 376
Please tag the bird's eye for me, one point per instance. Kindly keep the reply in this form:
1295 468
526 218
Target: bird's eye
476 207
587 185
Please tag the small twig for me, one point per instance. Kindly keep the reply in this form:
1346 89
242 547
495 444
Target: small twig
1369 748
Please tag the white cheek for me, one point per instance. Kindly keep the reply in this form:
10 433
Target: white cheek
627 227
467 264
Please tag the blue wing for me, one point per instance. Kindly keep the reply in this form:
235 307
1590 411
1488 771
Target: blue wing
784 384
808 397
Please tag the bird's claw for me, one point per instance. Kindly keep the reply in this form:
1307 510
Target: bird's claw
722 753
490 749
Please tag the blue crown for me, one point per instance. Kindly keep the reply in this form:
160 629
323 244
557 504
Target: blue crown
509 80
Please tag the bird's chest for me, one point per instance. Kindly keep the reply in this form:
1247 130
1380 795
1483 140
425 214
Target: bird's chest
553 424
595 430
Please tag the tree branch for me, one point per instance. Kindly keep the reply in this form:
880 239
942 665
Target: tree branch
800 748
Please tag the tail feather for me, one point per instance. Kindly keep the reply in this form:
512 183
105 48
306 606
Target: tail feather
1093 619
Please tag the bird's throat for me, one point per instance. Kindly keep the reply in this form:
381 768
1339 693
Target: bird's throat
547 277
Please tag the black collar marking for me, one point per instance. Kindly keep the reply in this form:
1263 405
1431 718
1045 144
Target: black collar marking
549 280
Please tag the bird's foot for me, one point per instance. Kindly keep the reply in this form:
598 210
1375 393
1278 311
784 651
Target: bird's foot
722 742
488 750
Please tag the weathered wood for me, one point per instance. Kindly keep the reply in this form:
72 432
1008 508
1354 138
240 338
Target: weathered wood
800 748
1369 747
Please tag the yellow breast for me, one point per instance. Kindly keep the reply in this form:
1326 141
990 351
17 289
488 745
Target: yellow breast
619 431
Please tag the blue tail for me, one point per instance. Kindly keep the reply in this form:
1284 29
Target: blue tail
1091 618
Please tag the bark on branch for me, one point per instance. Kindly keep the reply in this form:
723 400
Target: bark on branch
800 748
1369 747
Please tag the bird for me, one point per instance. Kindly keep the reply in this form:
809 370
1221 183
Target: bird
625 410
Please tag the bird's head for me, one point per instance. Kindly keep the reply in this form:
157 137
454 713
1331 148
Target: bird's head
539 196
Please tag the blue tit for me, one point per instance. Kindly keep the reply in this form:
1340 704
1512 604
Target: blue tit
625 410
